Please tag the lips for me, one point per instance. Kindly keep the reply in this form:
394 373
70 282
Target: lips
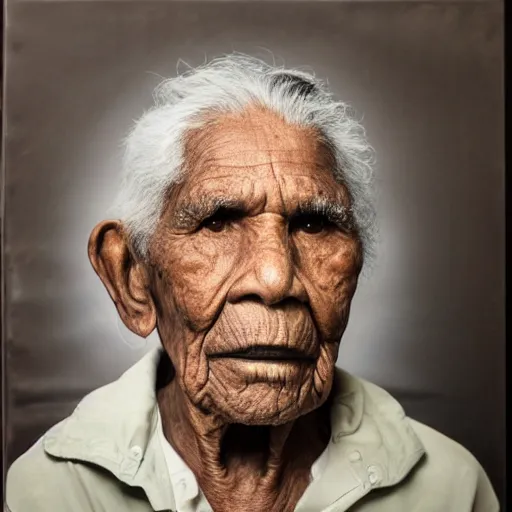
251 331
266 353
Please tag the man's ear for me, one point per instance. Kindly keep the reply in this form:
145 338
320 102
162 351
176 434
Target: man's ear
125 279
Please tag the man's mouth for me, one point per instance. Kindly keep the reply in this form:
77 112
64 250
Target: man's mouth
266 353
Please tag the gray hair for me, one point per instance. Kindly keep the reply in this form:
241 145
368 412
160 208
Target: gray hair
154 148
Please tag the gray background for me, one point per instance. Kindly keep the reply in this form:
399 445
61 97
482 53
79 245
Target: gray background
427 324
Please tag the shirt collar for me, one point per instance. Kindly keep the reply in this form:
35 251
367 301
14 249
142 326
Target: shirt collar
372 443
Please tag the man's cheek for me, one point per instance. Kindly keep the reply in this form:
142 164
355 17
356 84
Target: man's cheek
199 297
190 257
195 366
330 302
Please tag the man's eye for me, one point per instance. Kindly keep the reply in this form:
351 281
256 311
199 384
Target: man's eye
220 220
309 223
215 224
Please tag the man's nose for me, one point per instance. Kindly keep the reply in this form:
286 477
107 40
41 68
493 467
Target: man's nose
267 268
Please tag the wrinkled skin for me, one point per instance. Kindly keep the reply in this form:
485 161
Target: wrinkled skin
262 271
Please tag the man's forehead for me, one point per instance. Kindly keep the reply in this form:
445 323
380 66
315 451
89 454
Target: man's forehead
274 181
258 159
254 139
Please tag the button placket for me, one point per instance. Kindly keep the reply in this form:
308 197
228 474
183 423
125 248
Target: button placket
356 461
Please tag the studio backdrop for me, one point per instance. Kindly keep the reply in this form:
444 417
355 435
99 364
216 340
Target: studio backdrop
426 78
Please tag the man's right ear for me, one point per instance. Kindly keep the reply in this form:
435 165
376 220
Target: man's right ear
125 279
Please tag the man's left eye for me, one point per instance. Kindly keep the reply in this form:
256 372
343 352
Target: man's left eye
214 224
309 223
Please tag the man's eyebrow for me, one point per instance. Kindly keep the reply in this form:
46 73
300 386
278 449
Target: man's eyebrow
194 212
335 211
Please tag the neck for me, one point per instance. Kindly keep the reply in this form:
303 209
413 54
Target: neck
237 464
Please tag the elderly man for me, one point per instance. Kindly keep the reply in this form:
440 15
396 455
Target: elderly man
244 222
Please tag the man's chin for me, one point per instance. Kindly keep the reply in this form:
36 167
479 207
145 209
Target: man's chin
262 392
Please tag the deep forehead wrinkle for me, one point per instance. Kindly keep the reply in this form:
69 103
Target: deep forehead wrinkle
279 153
278 186
253 157
206 177
221 165
215 164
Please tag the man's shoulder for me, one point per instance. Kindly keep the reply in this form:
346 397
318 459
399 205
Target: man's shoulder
452 472
445 450
36 478
446 477
82 462
39 481
380 402
438 446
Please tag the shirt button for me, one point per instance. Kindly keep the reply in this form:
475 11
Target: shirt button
374 475
136 451
354 456
373 479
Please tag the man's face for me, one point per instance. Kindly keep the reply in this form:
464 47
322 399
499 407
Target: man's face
255 266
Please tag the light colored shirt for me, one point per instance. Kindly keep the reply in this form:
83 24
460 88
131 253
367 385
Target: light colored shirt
107 456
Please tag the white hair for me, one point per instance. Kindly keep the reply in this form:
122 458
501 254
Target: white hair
154 148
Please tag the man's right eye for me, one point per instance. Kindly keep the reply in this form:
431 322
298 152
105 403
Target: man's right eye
220 220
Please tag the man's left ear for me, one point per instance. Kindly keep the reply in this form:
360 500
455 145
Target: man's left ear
125 279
